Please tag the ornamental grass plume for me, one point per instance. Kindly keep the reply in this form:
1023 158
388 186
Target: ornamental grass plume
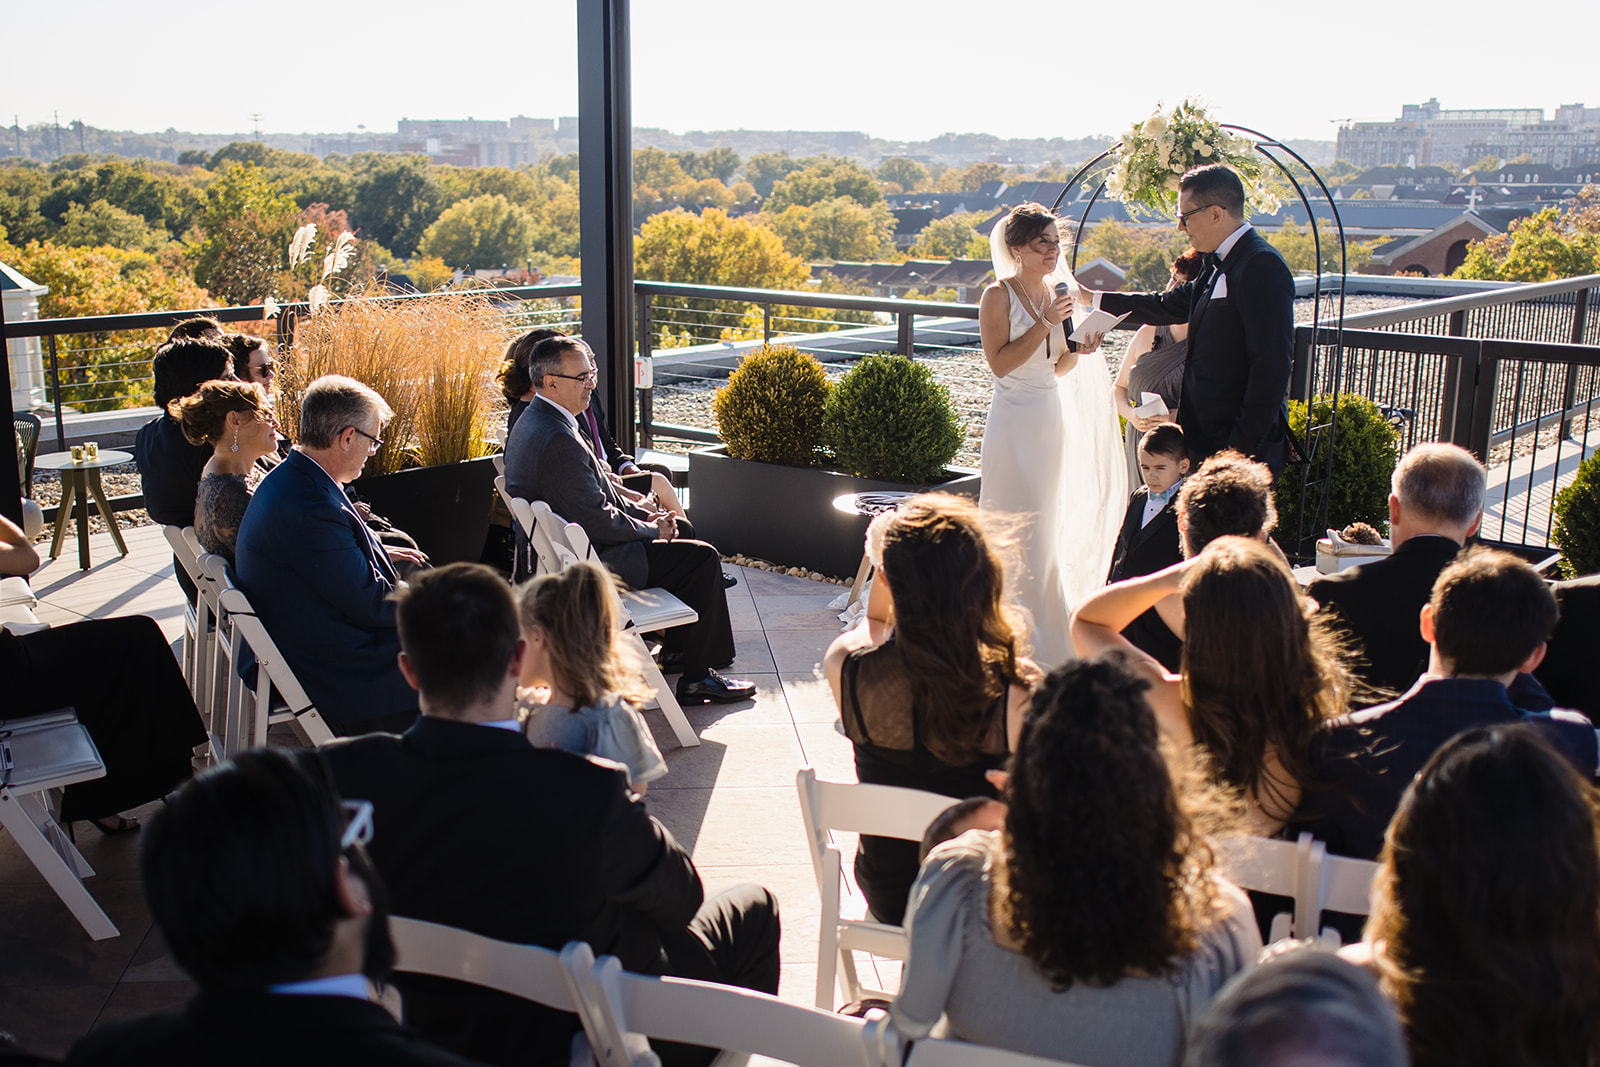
431 358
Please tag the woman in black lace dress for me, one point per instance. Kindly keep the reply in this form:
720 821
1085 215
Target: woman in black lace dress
234 419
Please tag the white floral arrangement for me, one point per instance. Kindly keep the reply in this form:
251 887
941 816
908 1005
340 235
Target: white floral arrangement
1155 153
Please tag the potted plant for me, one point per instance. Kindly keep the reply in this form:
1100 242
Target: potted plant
1365 450
433 360
1577 521
795 444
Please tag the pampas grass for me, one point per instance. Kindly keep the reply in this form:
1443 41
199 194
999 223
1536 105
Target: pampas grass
433 359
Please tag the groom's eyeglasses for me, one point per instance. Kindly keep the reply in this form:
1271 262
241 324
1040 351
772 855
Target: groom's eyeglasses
1185 216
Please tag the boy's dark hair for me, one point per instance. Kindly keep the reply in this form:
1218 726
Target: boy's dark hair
1230 495
203 326
458 629
179 367
1490 611
241 871
943 828
1165 439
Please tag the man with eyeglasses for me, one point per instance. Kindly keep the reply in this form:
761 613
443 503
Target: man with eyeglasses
259 884
315 573
1240 313
549 459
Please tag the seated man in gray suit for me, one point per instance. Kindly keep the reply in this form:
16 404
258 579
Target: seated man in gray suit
548 459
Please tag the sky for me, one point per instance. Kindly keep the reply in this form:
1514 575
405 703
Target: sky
901 71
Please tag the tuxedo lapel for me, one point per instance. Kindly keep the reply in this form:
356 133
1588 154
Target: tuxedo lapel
1168 514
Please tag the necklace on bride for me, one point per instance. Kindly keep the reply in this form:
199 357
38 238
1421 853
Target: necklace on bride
1037 311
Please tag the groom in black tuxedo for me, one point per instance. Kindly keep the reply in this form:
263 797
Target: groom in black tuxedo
1240 313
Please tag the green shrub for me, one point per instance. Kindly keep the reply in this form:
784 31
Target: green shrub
771 409
1365 450
889 419
1577 527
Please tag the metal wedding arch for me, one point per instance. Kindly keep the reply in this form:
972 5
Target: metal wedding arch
1319 438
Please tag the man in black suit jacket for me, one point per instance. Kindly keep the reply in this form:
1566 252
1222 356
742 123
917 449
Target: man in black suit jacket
549 459
1240 313
476 828
1435 504
257 881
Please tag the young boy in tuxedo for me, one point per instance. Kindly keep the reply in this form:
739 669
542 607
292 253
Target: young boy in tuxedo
1149 537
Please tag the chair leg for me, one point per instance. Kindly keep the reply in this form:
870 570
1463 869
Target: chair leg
30 825
852 980
667 699
828 934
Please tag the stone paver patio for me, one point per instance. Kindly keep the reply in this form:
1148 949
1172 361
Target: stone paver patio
731 801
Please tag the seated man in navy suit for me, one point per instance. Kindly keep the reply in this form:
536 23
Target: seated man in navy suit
1486 623
316 575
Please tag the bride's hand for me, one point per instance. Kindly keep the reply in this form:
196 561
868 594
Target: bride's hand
1060 308
1091 344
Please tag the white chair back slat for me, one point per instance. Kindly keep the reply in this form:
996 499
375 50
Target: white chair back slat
883 811
1343 884
890 1051
1281 868
272 673
527 971
739 1021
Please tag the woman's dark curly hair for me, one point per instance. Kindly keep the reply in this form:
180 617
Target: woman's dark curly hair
1105 874
1258 676
1487 906
958 639
515 381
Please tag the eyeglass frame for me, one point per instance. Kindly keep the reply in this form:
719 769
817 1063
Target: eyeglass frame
592 376
377 442
268 369
358 826
1183 216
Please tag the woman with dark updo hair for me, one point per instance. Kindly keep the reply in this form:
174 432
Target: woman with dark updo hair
933 685
1093 928
235 419
1485 925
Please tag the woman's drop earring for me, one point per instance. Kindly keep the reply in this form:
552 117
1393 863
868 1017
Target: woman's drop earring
235 447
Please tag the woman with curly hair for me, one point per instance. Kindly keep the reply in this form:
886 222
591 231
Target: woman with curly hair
1256 680
1485 925
1092 928
236 420
932 686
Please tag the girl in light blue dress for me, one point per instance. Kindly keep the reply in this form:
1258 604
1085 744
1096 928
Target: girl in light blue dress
579 691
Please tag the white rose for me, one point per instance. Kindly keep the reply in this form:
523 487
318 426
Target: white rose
1203 149
1155 125
1177 167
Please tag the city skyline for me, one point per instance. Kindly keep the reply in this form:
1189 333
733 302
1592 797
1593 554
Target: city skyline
890 71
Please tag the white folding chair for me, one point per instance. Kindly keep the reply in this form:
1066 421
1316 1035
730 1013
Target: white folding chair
1342 883
197 630
245 630
40 754
890 1048
739 1021
499 464
527 971
645 611
880 810
1282 868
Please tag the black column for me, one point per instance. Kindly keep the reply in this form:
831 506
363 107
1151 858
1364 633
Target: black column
605 178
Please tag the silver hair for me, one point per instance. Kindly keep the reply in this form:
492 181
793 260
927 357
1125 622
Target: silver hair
547 356
334 403
1440 481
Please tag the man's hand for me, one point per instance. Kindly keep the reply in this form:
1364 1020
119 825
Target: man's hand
667 524
414 556
362 509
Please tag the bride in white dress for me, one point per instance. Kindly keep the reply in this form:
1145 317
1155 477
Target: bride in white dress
1052 452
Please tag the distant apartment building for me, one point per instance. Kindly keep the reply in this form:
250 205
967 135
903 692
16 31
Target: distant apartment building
1427 134
471 142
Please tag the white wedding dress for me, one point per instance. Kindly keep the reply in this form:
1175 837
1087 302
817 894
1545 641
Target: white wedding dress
1053 457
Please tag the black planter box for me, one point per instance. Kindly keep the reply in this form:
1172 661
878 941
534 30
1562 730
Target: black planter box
446 508
785 514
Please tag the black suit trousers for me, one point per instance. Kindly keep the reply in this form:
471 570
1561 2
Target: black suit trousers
692 571
732 940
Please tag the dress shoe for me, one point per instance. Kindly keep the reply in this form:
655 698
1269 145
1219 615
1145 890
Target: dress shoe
728 580
715 689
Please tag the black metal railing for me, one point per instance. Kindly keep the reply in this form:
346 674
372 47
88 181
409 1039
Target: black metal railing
1512 374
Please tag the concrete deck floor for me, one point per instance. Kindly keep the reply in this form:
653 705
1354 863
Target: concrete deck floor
731 802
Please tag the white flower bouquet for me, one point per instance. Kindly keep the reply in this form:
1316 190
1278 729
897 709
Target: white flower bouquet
1155 153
